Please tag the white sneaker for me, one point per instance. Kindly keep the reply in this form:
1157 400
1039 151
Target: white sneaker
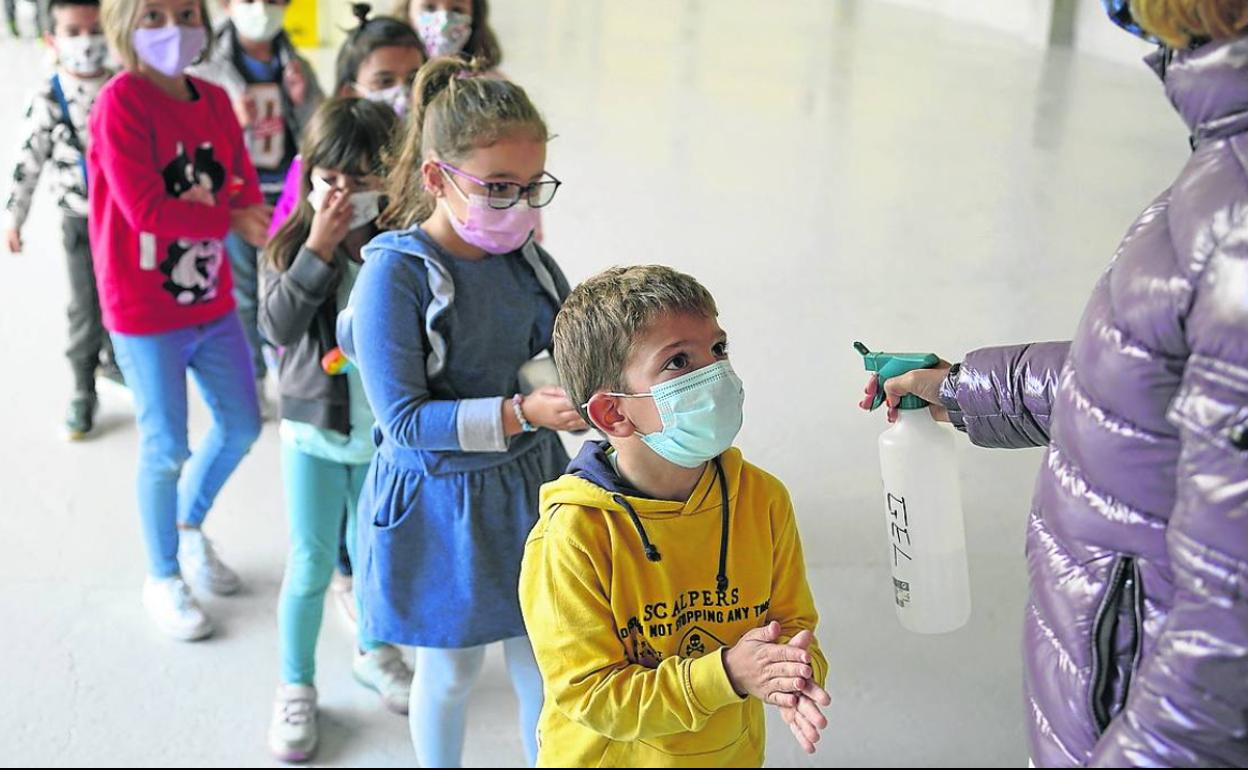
292 733
170 604
383 671
201 565
340 589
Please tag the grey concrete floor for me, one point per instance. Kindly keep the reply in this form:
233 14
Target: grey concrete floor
832 170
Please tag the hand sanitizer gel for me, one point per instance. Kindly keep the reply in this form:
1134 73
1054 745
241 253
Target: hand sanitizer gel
922 507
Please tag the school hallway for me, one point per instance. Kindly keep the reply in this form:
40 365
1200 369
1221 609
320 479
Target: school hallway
832 170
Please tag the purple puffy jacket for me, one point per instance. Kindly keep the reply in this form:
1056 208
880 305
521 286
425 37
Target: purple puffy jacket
1136 633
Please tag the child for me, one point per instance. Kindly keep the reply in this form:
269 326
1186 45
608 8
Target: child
442 317
454 28
170 177
664 589
326 430
378 61
56 131
274 94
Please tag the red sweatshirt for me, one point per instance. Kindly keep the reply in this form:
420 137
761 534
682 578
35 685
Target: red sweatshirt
160 262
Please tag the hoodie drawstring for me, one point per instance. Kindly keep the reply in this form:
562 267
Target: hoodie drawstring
652 553
721 579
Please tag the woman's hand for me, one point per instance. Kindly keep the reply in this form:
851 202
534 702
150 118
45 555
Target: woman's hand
924 383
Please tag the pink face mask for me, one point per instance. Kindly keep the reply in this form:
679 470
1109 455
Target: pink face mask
494 231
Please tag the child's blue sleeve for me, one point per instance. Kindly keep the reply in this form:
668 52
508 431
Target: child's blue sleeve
381 332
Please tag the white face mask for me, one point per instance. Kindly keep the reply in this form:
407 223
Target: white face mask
365 205
84 54
395 97
257 20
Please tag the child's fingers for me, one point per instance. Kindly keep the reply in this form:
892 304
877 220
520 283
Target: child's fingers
817 694
787 684
788 670
783 653
337 201
802 639
566 414
809 729
766 634
810 711
785 700
806 734
806 745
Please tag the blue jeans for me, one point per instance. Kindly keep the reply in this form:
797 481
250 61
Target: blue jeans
439 700
319 494
174 486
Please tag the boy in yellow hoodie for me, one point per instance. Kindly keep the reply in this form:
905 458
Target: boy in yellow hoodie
663 587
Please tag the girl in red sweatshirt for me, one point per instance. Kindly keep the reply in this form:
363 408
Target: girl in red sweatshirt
170 178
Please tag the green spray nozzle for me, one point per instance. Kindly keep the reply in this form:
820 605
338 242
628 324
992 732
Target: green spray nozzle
889 365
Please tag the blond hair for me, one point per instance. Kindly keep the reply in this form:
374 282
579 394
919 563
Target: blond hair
455 110
1178 23
598 327
121 17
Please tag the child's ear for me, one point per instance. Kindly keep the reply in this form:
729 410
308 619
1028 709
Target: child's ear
432 179
604 413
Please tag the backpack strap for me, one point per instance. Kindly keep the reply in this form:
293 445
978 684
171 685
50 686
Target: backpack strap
59 93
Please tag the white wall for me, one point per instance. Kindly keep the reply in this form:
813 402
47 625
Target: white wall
1028 20
1032 21
1096 34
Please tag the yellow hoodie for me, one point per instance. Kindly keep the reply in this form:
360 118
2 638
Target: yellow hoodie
630 649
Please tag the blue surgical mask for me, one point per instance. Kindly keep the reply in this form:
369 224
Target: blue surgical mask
701 413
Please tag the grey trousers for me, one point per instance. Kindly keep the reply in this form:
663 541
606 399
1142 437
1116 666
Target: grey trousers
87 338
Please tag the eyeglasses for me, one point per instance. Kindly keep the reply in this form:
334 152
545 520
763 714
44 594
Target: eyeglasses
504 195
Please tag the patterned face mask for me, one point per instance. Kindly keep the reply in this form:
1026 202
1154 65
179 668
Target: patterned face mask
444 33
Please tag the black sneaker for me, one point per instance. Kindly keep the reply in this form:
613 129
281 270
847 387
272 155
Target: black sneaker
80 417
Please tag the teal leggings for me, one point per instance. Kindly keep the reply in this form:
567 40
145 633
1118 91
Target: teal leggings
318 494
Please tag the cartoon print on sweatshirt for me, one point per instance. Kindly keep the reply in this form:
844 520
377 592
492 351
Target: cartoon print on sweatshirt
192 267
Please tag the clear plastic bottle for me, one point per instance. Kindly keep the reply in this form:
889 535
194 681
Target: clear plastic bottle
922 508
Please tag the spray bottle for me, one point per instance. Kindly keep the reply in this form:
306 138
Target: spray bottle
922 506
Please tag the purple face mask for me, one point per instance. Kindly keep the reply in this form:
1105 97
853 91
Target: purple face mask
494 231
171 49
